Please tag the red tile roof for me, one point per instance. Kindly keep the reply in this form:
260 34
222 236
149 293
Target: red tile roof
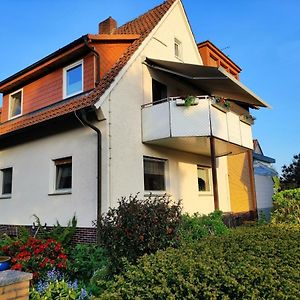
142 25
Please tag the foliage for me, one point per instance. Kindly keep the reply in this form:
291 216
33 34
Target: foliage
139 226
55 287
36 256
290 178
286 207
223 102
249 263
59 233
84 260
195 227
189 100
276 181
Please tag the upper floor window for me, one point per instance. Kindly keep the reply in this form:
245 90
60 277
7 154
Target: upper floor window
6 179
15 104
159 91
178 48
73 79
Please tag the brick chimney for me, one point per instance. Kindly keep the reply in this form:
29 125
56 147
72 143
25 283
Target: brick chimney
107 26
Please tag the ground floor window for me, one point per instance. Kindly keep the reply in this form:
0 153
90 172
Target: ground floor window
6 179
63 173
203 179
154 174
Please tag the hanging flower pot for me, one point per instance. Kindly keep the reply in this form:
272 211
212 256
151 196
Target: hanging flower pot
221 104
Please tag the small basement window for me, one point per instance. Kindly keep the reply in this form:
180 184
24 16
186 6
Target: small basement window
73 79
15 104
203 179
63 173
6 175
154 174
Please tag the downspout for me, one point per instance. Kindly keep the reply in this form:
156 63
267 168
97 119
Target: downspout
97 56
84 120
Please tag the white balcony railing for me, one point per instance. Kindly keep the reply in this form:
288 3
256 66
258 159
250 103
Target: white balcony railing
166 119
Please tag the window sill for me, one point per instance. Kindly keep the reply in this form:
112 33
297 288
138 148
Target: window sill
205 194
5 196
61 192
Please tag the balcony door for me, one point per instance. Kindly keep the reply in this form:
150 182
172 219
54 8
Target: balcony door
159 91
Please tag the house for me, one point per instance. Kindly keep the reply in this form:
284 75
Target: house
263 175
129 109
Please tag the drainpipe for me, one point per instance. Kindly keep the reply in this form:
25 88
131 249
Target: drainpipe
82 118
97 56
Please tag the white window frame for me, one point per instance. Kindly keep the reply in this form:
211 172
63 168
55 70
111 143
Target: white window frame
10 117
157 192
209 174
179 44
65 71
5 196
53 176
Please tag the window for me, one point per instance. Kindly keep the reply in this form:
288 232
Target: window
73 79
159 91
203 179
178 48
154 174
6 181
63 173
15 104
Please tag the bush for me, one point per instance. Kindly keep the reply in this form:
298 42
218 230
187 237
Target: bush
84 260
248 263
36 256
286 207
195 227
137 227
55 287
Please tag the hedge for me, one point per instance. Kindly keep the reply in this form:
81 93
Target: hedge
248 263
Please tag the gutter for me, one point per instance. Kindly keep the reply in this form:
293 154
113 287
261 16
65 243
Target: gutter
83 119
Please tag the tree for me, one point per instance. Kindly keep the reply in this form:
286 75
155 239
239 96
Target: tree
290 178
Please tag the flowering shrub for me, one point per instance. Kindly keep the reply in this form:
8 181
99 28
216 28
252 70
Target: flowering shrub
36 256
55 287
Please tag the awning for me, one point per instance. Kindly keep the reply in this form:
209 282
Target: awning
215 81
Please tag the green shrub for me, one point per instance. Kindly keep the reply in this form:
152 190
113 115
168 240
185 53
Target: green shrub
248 263
59 233
139 226
195 227
286 207
84 260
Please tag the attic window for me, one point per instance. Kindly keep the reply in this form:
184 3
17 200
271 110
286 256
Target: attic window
15 104
73 79
178 48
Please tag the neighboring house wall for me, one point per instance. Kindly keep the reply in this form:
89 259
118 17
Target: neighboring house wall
48 89
240 183
264 192
33 176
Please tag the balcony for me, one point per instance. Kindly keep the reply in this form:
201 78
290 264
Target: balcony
169 124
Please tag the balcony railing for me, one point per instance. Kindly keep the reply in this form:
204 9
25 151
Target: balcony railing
170 119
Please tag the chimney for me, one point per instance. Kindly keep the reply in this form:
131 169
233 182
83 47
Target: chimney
107 26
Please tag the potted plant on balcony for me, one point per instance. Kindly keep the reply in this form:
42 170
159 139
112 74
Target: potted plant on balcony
247 118
221 104
187 101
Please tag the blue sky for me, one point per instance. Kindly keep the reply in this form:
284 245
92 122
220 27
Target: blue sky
262 37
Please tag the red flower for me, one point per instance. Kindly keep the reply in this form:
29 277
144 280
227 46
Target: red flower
17 267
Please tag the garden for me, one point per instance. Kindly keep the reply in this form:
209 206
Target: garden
149 249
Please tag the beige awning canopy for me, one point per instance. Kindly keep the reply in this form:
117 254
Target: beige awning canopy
215 81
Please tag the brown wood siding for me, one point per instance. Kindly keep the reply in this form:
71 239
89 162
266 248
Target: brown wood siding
49 89
109 53
241 183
